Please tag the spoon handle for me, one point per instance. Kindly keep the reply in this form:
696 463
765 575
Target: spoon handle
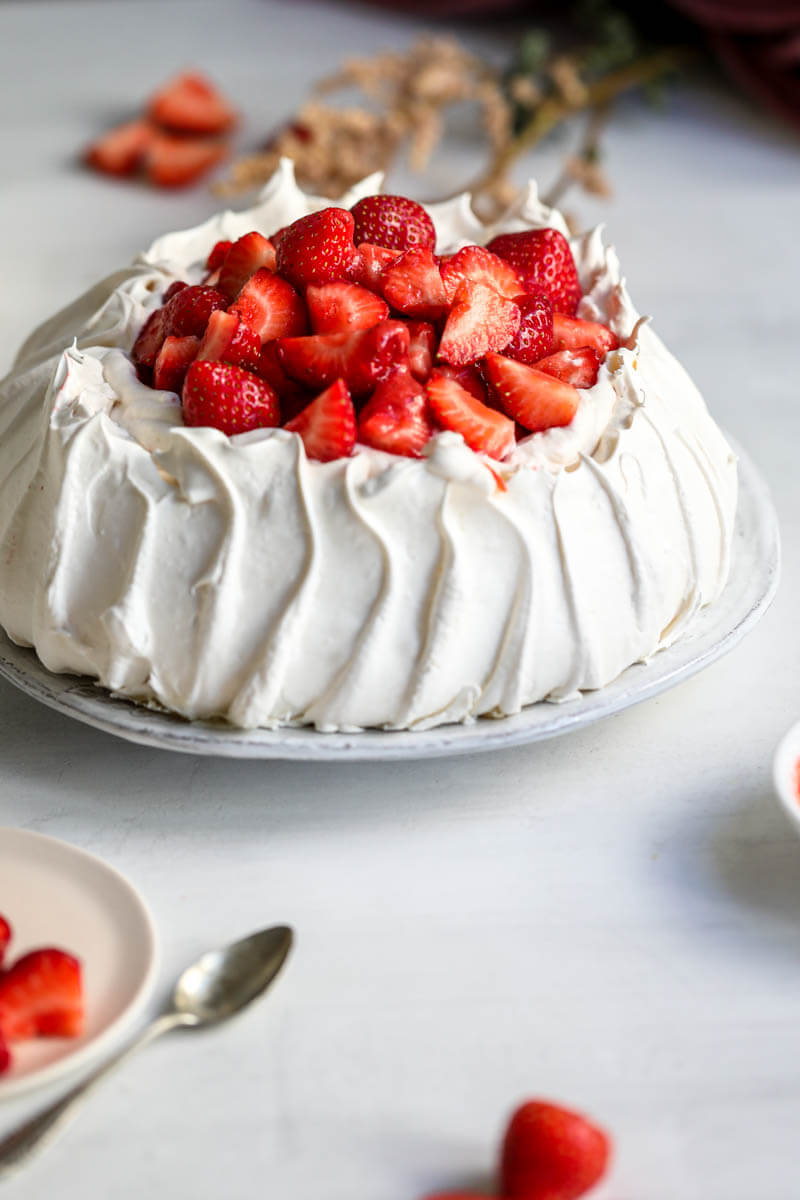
17 1147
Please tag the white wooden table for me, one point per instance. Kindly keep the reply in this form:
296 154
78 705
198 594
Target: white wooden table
611 919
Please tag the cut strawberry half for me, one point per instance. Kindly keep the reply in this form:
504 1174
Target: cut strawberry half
248 254
412 285
150 339
544 263
216 255
327 425
317 248
536 400
578 367
174 162
483 429
188 311
173 290
121 151
362 359
551 1153
469 378
228 398
227 339
173 362
421 349
479 265
396 417
41 993
479 321
571 333
5 937
534 338
5 1055
393 221
341 307
369 264
292 396
191 104
270 306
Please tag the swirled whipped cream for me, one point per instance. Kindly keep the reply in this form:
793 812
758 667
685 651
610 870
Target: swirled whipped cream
234 578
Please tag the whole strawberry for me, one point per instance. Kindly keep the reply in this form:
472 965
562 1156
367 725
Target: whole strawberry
317 248
544 263
188 311
394 222
534 338
228 398
551 1153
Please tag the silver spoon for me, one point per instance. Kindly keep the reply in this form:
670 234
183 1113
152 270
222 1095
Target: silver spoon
217 986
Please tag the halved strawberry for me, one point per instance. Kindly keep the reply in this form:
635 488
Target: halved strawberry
270 306
396 417
190 103
328 424
412 285
248 254
362 359
421 348
534 338
41 993
317 248
5 1055
479 265
216 255
292 396
393 221
150 339
483 429
173 362
342 307
122 149
227 339
177 286
228 398
188 311
5 937
536 400
544 263
578 367
479 321
570 333
178 161
470 379
369 263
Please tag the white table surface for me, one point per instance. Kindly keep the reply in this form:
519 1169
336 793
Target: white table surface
611 919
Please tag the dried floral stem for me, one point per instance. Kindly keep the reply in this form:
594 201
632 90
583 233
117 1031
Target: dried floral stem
578 167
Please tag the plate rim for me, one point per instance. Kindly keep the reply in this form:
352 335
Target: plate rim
89 1051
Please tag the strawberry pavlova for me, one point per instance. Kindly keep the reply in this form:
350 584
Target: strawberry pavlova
357 465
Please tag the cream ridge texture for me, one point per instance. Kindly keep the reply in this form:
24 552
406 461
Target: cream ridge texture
234 578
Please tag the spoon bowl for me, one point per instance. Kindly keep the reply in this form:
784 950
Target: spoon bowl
224 981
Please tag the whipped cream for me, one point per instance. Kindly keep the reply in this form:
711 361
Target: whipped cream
234 578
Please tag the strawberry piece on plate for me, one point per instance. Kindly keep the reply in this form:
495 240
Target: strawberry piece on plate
227 339
396 417
174 162
479 321
578 367
479 265
422 348
327 425
342 307
5 936
362 359
536 400
571 333
121 151
551 1153
317 248
150 339
216 255
394 222
41 994
483 429
191 104
173 362
248 254
534 338
270 306
413 285
544 263
228 398
189 310
369 264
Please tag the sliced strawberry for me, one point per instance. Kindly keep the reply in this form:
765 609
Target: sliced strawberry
248 254
534 338
150 339
479 265
173 162
483 429
292 396
544 263
270 306
369 264
317 248
551 1153
396 417
328 424
362 359
227 339
228 398
41 993
189 310
190 103
421 348
216 255
122 150
570 333
173 290
479 321
578 367
394 222
5 1055
173 362
5 937
470 379
537 400
341 307
412 285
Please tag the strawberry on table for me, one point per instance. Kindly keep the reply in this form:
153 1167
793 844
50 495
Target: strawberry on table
173 362
536 400
174 162
121 151
479 321
483 429
394 222
421 349
396 417
551 1153
189 103
369 264
342 306
317 248
188 311
479 265
571 333
227 339
270 306
578 367
534 338
413 285
247 255
41 994
362 359
228 398
327 425
544 263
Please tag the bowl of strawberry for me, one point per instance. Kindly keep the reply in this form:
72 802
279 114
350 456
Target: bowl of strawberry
347 329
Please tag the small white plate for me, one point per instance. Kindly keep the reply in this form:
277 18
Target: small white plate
786 773
54 894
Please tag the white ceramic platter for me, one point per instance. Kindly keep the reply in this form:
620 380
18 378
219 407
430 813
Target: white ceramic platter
54 894
752 584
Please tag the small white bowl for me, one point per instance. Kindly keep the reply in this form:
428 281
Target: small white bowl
786 773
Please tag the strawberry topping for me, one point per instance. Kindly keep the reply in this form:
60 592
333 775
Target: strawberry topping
41 994
480 320
317 248
578 367
479 265
394 222
544 263
173 362
396 418
216 256
534 338
151 337
227 339
421 348
246 256
188 311
536 400
369 264
483 429
270 306
413 285
362 359
327 425
570 333
341 307
228 398
5 937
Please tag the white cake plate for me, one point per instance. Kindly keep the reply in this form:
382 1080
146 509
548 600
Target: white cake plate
755 570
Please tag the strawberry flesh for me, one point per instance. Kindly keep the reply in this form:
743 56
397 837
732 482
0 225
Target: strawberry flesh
342 306
479 321
369 264
270 307
570 333
327 426
394 222
422 348
41 993
578 367
248 254
216 255
536 400
150 339
362 359
396 417
173 362
227 339
544 263
174 162
413 285
479 265
534 338
485 430
551 1153
228 398
5 937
